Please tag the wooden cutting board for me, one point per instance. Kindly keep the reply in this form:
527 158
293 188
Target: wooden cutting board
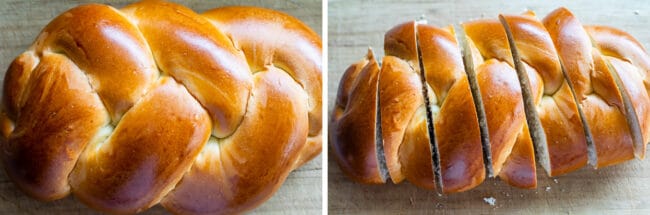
354 26
20 23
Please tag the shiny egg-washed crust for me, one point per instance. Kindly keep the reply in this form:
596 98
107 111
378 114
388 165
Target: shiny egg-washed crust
153 103
455 121
499 85
545 79
403 124
631 64
599 73
403 113
595 89
354 120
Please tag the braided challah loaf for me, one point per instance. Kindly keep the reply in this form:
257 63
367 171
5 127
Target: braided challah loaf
154 103
449 106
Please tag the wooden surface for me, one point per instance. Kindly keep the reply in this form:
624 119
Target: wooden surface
353 26
20 23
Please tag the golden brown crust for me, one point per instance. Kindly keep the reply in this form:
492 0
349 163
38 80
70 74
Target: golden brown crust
400 95
536 49
633 85
504 108
408 151
200 56
53 126
631 64
594 88
542 67
269 37
490 39
456 124
147 153
519 169
617 43
354 122
400 41
608 124
15 83
573 48
415 152
443 65
117 105
459 141
555 96
113 54
566 140
502 98
231 184
402 116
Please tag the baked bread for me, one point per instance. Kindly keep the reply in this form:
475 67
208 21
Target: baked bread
451 106
153 103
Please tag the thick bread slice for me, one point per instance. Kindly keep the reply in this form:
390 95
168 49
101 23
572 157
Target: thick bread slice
609 138
504 108
355 132
611 147
636 100
401 42
431 112
499 86
534 123
630 65
468 63
403 124
520 169
457 134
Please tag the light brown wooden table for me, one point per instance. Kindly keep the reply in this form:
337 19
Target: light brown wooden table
20 23
353 26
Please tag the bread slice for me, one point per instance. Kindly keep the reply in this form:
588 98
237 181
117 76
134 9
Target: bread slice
452 110
468 63
622 54
431 112
500 90
358 152
379 136
629 84
404 109
534 124
403 124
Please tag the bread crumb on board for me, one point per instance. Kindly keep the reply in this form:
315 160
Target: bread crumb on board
490 200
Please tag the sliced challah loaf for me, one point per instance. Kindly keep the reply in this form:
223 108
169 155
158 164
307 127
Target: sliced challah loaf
494 96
